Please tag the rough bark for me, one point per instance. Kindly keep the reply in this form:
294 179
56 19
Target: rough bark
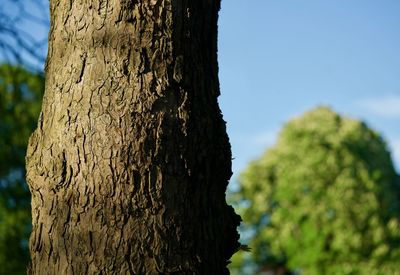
129 164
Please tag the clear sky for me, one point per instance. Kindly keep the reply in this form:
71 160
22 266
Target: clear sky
29 19
280 58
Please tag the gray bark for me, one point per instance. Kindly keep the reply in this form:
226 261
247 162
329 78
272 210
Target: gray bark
129 164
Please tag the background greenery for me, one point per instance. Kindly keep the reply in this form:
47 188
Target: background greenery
20 97
323 200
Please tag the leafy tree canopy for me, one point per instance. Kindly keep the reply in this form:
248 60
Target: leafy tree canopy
323 200
20 97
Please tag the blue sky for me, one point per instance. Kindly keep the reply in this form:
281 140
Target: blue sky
28 18
279 59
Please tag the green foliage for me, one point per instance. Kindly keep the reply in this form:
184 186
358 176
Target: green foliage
323 200
20 96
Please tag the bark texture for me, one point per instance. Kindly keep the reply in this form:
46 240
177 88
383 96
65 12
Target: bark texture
129 164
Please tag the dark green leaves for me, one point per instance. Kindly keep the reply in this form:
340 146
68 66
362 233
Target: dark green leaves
20 97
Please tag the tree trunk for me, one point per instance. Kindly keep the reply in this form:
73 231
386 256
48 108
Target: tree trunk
129 164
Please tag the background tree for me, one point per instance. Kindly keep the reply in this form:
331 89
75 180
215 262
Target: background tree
323 200
130 161
22 23
20 98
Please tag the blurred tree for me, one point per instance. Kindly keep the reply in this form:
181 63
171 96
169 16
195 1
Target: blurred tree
20 97
323 200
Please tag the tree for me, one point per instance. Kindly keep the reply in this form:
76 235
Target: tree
130 161
20 94
324 199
